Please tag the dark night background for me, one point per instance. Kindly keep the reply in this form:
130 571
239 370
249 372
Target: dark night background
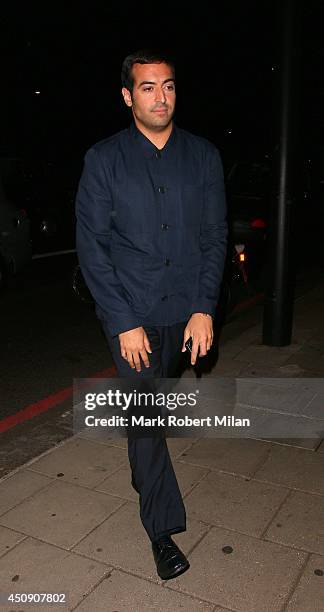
226 60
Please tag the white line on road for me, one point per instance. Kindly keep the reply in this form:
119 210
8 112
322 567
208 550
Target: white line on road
53 254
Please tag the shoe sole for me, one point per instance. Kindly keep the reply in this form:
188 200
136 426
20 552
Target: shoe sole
177 573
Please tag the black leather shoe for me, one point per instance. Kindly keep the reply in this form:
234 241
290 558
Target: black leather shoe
170 560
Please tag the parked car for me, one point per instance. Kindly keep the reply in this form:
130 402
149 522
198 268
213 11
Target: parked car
15 235
248 189
47 193
250 192
247 193
50 196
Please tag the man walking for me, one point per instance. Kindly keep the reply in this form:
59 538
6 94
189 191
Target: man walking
151 242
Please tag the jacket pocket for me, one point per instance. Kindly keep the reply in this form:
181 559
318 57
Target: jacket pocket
139 278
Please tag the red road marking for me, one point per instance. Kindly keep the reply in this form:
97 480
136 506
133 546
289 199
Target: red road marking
47 402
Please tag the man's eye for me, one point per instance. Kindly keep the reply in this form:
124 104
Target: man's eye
148 88
170 87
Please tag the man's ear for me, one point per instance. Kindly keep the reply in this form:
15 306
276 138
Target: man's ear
127 96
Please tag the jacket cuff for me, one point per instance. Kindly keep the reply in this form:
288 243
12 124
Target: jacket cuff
203 305
115 327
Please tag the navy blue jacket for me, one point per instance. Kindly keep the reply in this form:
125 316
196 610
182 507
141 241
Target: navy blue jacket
151 228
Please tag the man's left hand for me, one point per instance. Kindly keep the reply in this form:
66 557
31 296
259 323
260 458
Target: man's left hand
200 328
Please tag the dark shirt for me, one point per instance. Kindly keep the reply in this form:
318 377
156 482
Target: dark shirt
151 228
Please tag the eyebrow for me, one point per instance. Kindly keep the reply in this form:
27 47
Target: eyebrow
154 82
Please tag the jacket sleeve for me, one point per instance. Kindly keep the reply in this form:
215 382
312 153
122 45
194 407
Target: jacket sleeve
213 236
93 210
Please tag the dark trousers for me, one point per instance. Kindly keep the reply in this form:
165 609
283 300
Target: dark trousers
152 475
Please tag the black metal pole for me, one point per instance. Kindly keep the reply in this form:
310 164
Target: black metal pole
280 278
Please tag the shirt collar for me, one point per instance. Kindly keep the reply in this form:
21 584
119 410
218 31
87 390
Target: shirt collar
147 146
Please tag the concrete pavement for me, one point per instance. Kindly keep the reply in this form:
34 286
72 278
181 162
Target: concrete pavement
69 520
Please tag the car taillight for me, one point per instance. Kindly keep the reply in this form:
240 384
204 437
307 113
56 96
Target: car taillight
240 255
258 223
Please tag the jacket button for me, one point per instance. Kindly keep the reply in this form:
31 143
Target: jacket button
164 297
165 226
167 262
161 189
158 154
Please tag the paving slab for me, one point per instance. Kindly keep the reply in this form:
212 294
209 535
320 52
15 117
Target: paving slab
299 523
236 456
308 443
17 487
122 541
188 476
294 468
309 594
292 369
81 462
308 356
36 567
9 539
234 502
248 336
256 576
262 370
232 348
321 448
177 446
229 366
189 372
127 593
102 436
265 381
268 355
61 514
316 406
119 484
266 424
301 334
296 397
220 389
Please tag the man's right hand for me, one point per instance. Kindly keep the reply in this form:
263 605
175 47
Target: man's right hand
134 344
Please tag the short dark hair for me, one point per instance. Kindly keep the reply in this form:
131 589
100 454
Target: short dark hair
143 56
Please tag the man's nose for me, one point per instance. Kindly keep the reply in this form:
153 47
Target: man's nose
160 94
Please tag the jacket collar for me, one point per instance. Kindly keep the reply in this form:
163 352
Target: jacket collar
149 149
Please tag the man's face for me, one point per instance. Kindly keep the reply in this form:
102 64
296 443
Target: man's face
153 97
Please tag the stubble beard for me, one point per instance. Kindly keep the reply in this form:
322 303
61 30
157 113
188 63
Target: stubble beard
155 122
